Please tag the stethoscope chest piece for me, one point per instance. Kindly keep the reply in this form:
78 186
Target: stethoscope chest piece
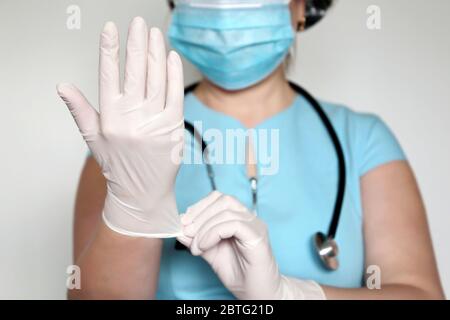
327 250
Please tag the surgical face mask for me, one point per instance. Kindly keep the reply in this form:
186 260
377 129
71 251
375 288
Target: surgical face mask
234 43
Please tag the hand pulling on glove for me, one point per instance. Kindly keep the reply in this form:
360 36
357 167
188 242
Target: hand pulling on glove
135 135
236 244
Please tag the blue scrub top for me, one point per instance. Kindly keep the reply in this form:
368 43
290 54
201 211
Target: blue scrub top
295 202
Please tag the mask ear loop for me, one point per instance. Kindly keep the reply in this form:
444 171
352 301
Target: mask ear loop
301 26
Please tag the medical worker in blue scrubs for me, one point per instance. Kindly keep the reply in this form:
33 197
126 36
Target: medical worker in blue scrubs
251 238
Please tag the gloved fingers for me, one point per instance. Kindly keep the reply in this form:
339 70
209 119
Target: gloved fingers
198 245
136 61
157 71
187 241
222 203
85 116
109 69
238 229
198 207
175 86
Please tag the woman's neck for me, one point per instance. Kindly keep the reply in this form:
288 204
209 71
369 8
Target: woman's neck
252 105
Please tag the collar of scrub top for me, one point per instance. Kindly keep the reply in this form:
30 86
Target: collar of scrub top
325 245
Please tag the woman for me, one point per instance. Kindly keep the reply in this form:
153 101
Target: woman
239 46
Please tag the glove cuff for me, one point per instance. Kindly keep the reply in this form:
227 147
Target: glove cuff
149 234
162 222
298 289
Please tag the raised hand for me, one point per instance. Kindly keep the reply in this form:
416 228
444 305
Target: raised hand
137 135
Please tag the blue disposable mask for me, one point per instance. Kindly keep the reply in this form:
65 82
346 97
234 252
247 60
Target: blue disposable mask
233 47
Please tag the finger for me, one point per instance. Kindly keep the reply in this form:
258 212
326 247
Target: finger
243 231
222 231
186 241
195 209
157 71
175 86
85 116
221 217
109 69
224 202
136 60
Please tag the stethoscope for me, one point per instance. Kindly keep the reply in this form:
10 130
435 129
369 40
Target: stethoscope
324 244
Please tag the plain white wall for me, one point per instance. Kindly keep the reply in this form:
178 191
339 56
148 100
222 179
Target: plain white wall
401 72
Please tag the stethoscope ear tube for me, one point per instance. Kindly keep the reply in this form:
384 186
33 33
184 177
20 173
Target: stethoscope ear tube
189 127
340 156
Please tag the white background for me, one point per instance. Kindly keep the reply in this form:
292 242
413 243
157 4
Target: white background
401 72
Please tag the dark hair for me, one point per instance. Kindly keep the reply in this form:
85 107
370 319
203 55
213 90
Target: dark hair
315 10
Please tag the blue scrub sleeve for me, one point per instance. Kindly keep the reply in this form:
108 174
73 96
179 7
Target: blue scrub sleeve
379 146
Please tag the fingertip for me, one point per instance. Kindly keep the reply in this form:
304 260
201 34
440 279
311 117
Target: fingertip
174 58
207 242
155 33
110 36
202 246
109 28
195 251
139 24
61 88
138 20
189 230
186 241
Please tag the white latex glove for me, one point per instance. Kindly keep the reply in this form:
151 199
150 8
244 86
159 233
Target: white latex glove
137 134
236 244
